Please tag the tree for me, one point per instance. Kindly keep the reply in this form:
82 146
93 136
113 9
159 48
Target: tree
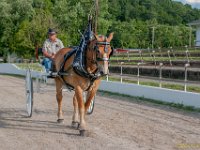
24 23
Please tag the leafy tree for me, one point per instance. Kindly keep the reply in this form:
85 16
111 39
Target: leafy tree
24 23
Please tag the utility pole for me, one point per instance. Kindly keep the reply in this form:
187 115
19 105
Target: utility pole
190 38
96 15
153 36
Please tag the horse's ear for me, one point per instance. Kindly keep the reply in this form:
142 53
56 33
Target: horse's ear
110 37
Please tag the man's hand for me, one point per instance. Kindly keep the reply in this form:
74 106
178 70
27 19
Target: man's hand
52 56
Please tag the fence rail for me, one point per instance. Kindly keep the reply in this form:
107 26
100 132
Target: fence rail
155 93
138 77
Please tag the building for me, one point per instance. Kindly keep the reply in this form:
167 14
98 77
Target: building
196 25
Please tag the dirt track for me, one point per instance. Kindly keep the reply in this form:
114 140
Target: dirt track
115 124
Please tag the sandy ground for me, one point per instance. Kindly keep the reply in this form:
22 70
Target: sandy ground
114 125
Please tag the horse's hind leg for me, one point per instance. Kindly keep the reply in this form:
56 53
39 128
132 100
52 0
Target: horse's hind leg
59 99
75 118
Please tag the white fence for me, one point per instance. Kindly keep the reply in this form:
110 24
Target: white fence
14 70
161 94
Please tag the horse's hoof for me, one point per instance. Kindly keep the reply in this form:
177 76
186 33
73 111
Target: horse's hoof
75 125
82 132
60 120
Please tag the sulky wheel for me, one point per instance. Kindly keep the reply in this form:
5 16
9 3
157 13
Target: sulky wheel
29 92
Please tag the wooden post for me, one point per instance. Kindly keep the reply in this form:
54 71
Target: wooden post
36 52
96 15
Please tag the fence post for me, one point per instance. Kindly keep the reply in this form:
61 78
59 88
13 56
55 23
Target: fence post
107 78
187 54
138 74
170 61
121 72
154 58
171 49
141 58
160 74
150 53
186 76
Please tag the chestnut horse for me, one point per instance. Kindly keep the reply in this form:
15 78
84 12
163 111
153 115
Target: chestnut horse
97 56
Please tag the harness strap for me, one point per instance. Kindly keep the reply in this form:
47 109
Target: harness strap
69 87
61 74
91 84
103 43
61 71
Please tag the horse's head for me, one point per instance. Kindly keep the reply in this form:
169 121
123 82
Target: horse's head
102 51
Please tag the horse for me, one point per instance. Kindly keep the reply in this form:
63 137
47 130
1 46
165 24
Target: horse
97 55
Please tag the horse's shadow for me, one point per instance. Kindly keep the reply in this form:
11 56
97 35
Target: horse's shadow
16 119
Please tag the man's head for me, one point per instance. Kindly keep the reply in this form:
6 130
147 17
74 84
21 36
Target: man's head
52 34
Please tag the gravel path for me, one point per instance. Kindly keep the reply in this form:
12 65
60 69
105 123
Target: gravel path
114 125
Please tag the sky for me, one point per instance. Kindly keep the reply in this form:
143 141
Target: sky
194 3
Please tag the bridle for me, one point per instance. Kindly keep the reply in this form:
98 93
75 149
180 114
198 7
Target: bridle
96 51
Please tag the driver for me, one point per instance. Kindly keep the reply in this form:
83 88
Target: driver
50 47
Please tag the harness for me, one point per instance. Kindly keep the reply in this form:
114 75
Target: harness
79 63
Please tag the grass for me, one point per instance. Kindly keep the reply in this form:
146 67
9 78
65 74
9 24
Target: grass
193 89
156 84
173 86
142 99
32 66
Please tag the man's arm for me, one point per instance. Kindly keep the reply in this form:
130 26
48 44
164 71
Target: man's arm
48 55
61 44
45 53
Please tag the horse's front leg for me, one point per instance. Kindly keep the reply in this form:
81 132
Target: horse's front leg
75 118
59 100
81 106
90 97
91 94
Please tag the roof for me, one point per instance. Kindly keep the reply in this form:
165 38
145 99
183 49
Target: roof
194 23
